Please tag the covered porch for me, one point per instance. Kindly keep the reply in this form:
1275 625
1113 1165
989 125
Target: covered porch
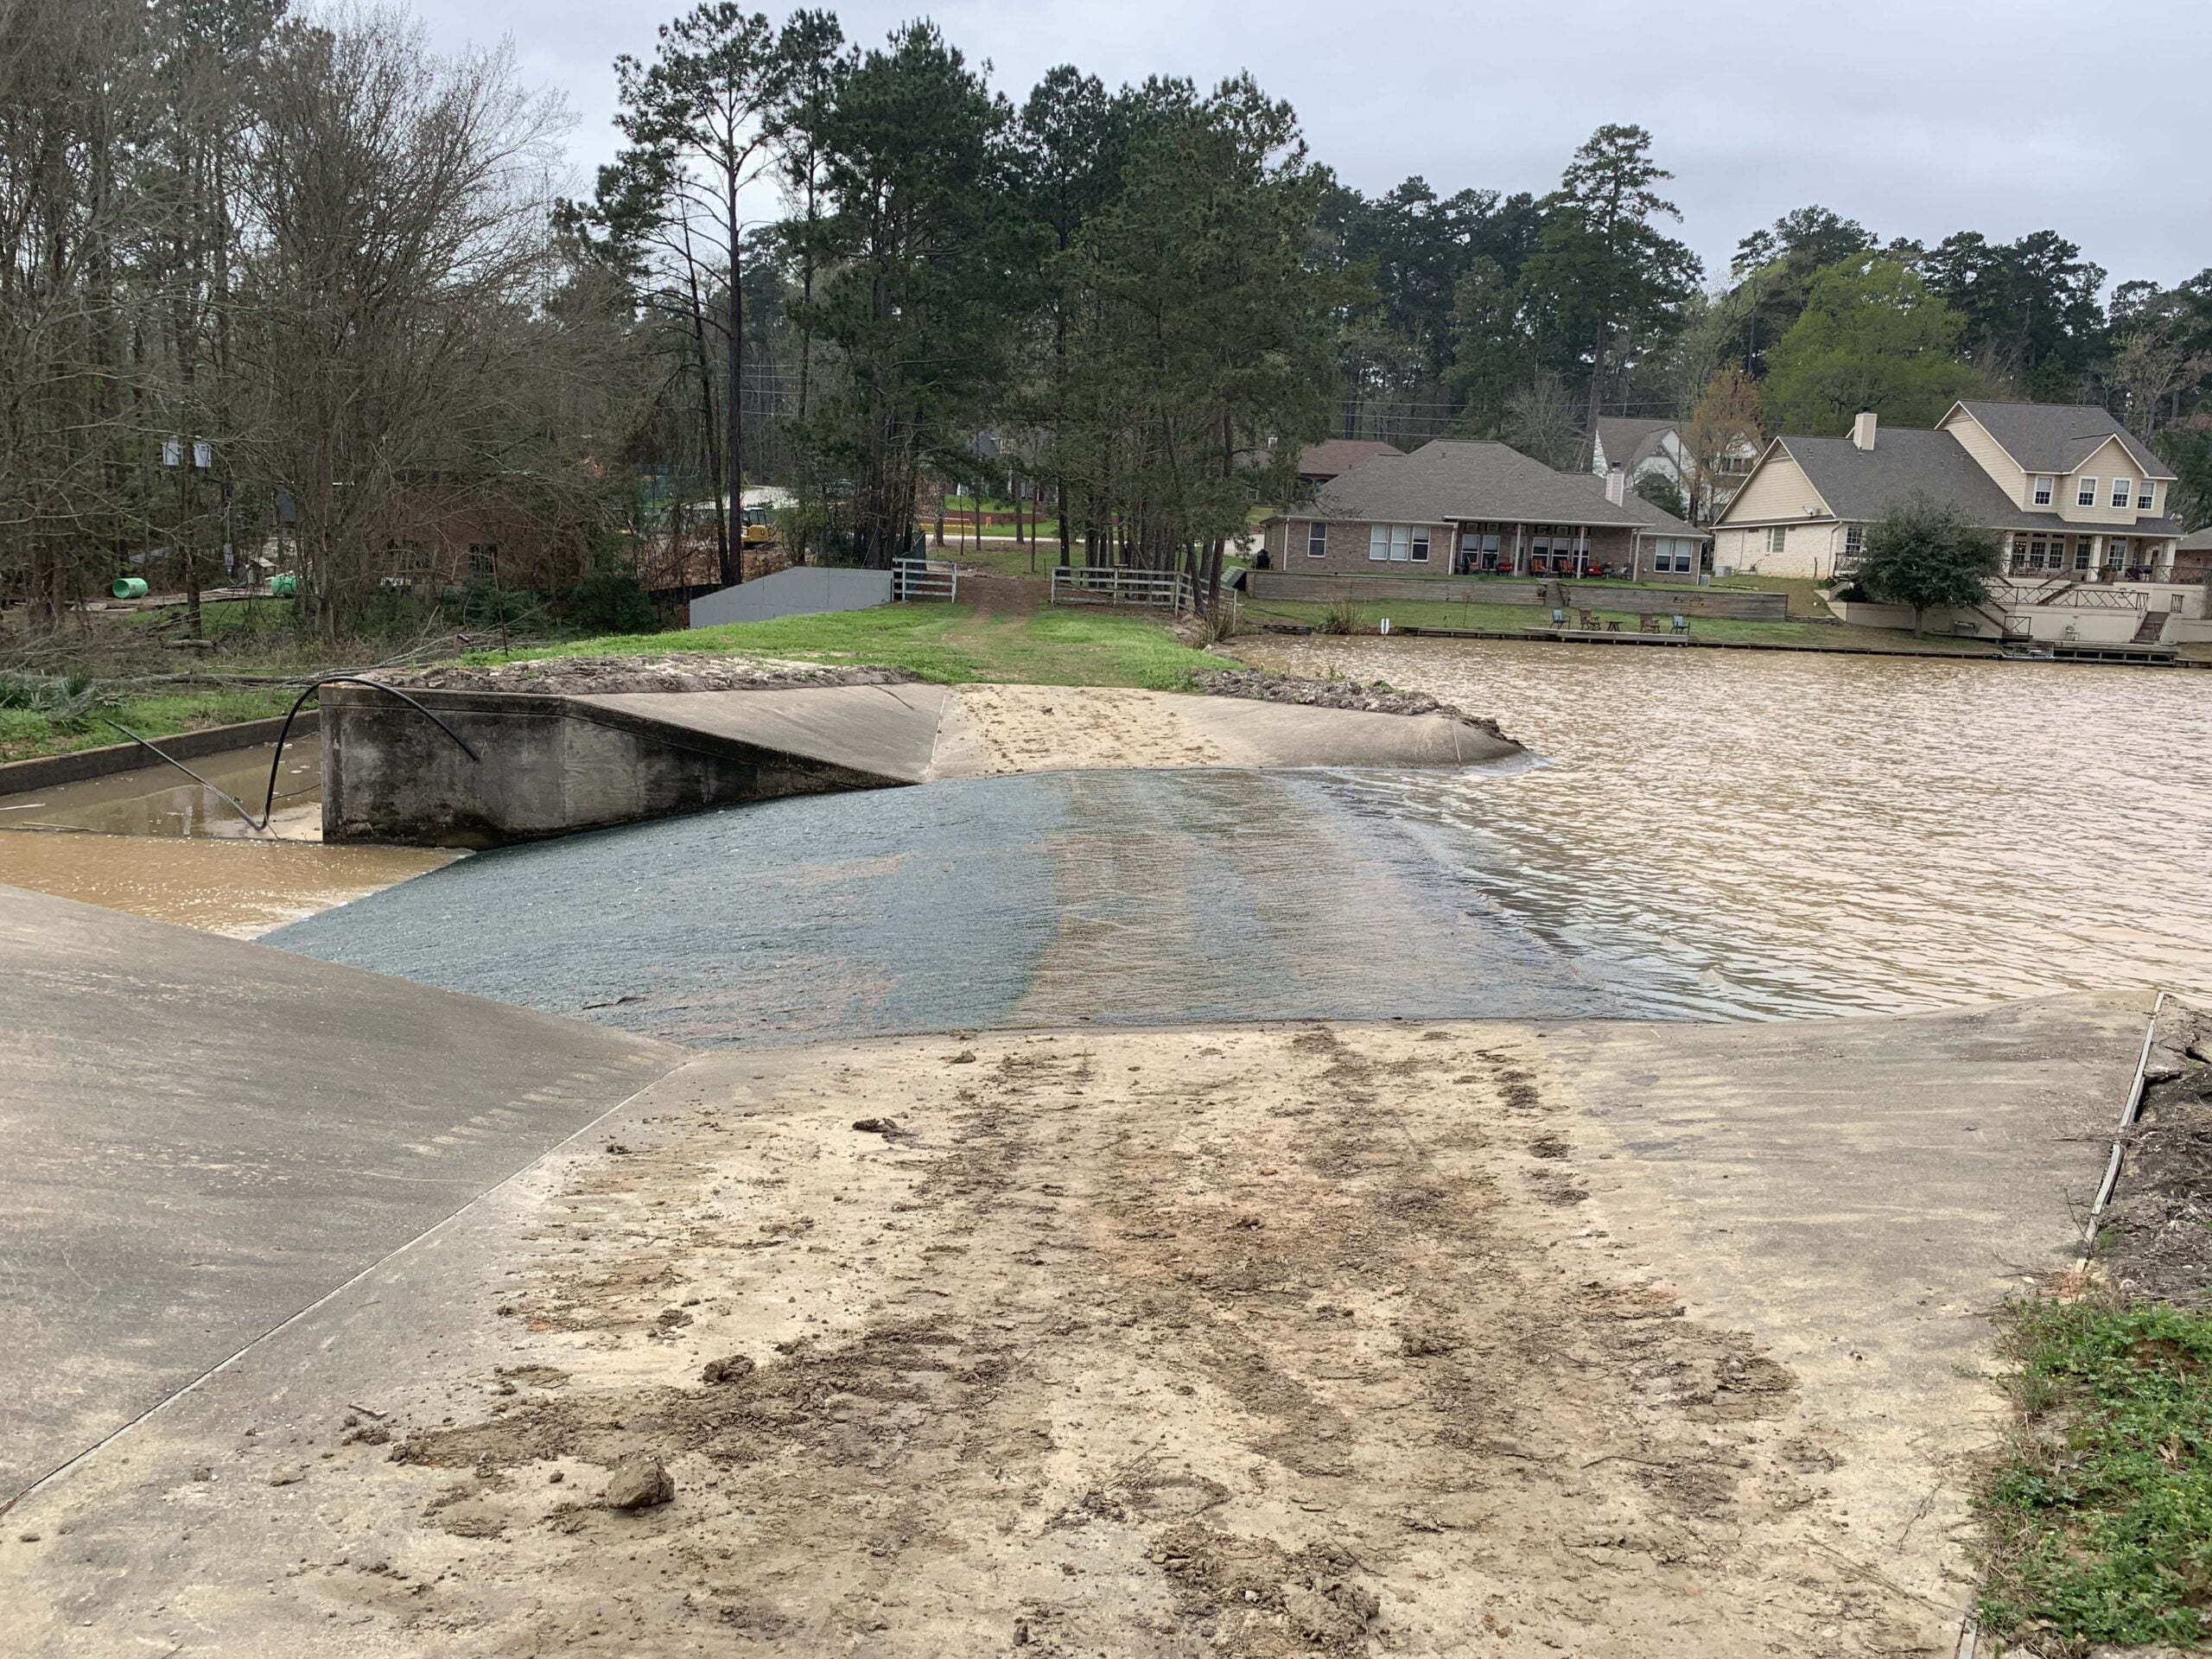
2090 556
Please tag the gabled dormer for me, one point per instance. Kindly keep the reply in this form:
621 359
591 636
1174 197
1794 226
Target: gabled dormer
2073 462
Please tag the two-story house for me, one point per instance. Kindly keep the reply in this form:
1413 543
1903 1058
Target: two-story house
1643 449
2074 495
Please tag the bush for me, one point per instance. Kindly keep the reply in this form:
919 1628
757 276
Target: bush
1341 617
610 601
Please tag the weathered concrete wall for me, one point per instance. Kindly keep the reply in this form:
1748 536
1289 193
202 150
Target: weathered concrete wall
47 771
803 590
1751 607
544 767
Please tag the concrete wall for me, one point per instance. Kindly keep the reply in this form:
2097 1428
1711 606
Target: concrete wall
803 590
1689 602
544 765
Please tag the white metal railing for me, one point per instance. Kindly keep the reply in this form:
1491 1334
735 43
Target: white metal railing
925 579
2079 594
1108 584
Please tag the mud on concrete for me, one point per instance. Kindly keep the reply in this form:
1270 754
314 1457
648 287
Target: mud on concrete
1253 1342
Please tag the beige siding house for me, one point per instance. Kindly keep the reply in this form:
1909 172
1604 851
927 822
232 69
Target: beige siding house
2075 497
1469 509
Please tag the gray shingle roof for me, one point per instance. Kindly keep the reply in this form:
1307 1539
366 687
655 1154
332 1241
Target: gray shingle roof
2058 437
1335 455
1862 485
1450 479
1626 440
2197 540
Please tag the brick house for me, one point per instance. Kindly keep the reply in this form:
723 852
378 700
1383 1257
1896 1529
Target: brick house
2193 557
1455 508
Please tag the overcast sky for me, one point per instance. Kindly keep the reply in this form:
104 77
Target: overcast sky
1917 118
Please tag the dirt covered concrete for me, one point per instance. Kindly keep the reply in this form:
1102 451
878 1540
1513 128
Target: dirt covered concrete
2156 1239
1247 1342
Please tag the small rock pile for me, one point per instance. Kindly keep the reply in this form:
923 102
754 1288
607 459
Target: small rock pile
1372 698
676 672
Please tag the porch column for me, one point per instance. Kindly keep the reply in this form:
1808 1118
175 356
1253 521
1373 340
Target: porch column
2165 567
2011 551
2096 557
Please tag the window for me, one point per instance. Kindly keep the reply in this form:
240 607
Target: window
2085 494
2123 490
2081 552
2042 491
2115 551
2146 496
1777 538
1394 543
483 558
1421 545
1854 541
1317 540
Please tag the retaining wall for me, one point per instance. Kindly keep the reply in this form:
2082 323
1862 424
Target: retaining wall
544 765
47 771
1749 606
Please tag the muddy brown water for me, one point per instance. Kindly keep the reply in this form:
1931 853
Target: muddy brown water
152 842
1772 835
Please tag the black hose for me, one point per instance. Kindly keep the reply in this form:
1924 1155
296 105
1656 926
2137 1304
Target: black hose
276 758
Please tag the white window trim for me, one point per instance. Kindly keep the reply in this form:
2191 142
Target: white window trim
1777 538
2146 496
2123 490
1317 532
2046 491
2085 492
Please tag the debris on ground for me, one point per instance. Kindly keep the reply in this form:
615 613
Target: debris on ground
689 670
1368 696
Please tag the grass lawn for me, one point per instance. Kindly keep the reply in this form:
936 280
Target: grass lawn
27 732
2098 1514
948 644
1451 613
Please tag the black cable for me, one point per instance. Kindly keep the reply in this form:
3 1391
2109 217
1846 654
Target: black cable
283 731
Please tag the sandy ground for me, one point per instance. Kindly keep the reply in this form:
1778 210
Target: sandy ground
992 730
1257 1341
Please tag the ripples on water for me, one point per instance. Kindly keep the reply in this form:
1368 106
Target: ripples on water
1762 836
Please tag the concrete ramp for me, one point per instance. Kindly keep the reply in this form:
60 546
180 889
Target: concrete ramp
884 731
206 1136
539 764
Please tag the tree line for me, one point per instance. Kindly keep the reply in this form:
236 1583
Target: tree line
274 280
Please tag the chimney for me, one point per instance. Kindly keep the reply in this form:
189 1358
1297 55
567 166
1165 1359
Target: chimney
1617 484
1862 430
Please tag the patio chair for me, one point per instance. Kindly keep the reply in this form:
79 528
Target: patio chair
1559 618
1586 620
1682 624
1648 622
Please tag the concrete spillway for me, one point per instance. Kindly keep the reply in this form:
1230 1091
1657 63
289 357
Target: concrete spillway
206 1136
511 767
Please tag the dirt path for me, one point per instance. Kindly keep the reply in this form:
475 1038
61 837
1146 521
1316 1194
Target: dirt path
1258 1343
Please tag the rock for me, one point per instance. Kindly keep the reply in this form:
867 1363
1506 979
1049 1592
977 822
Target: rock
883 1126
735 1369
638 1482
289 1474
1376 698
673 671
